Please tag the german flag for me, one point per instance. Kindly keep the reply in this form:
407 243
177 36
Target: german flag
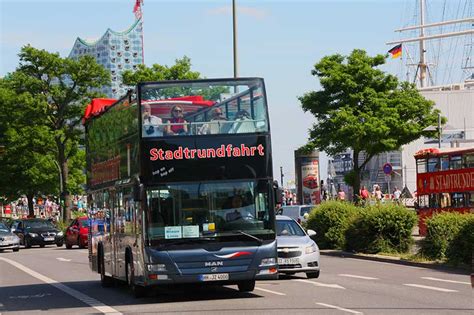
396 51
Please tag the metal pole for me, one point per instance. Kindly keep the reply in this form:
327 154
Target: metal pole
234 24
60 189
422 44
435 24
439 130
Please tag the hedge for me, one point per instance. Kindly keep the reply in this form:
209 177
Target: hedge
449 236
381 228
330 221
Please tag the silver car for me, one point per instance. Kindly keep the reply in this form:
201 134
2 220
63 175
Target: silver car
8 240
297 252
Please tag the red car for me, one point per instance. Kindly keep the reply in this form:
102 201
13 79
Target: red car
77 233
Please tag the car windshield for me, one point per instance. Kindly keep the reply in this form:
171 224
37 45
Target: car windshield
209 210
304 210
83 223
3 228
39 225
288 228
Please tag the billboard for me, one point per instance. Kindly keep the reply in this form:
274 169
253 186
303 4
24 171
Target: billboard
310 181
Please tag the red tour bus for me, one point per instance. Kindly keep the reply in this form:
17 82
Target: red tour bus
444 182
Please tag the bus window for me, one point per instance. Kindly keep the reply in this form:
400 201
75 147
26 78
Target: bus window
470 199
433 165
421 166
434 201
444 163
455 162
445 200
424 201
469 160
458 200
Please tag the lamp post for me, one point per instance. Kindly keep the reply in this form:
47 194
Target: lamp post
234 32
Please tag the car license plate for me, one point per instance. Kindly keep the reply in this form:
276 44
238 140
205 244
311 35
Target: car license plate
288 261
215 277
49 239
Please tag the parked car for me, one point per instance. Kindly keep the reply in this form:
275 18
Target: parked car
8 240
37 232
296 212
77 233
297 252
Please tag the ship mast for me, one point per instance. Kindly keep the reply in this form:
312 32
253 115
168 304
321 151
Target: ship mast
422 66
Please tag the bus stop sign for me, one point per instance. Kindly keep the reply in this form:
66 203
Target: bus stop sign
387 168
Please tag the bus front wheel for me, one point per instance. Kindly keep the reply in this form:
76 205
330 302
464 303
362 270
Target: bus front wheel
246 286
137 290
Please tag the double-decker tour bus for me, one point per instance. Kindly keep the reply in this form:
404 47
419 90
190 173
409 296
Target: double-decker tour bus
444 181
180 185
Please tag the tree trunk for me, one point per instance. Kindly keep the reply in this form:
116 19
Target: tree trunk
31 210
62 161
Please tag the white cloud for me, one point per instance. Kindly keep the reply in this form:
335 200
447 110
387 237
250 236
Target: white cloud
250 11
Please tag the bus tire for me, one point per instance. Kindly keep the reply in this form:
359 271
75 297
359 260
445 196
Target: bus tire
246 286
138 291
105 281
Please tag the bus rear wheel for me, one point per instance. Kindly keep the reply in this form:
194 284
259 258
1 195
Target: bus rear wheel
246 286
138 291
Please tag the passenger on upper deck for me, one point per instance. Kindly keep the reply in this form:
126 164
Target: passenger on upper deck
243 123
177 125
216 125
152 125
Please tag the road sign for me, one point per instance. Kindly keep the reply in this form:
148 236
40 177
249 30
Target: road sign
387 168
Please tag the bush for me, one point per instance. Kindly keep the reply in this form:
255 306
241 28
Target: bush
381 228
330 221
449 235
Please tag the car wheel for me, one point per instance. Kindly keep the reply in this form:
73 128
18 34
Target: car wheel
42 245
60 244
105 281
16 249
312 275
137 290
68 246
80 243
246 286
27 243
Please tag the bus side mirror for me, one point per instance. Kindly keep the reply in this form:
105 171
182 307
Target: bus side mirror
278 192
138 192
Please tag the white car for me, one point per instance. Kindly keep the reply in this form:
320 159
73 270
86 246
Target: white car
8 240
296 212
297 252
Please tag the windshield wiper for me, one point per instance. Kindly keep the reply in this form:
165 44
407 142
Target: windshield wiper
259 240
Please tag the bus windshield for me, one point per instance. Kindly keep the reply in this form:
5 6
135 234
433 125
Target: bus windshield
209 210
203 108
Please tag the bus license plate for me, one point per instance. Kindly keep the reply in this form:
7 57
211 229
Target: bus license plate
215 277
288 261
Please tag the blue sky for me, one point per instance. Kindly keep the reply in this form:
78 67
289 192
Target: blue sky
277 40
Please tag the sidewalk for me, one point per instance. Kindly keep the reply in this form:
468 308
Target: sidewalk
393 260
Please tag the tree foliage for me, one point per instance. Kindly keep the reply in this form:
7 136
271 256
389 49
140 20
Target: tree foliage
48 94
362 108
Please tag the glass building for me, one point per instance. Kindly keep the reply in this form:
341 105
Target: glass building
117 52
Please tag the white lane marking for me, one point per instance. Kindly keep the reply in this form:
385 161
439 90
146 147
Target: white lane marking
339 308
101 307
270 291
429 288
445 280
63 259
358 277
319 284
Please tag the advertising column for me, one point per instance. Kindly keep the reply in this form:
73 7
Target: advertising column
307 177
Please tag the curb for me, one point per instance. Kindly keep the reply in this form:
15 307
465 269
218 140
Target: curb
393 260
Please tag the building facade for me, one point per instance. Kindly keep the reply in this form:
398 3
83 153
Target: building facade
117 52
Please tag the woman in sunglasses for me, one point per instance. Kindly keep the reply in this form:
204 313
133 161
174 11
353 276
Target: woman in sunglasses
177 125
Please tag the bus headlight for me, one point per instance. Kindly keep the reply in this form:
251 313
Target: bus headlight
311 249
156 267
268 262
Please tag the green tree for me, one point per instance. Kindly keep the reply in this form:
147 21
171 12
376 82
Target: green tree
61 88
362 108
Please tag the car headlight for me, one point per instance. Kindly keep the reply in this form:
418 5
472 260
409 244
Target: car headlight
156 267
268 261
33 234
60 233
15 238
311 249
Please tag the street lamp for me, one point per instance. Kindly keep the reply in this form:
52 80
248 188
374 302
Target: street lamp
234 28
60 188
